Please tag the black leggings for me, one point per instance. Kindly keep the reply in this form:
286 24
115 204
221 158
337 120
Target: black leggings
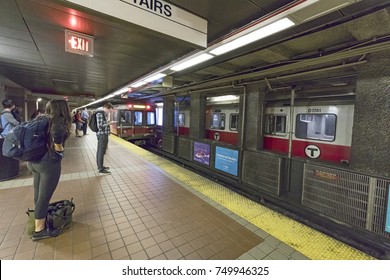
46 176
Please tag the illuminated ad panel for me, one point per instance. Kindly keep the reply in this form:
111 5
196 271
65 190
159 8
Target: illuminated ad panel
226 160
387 223
202 153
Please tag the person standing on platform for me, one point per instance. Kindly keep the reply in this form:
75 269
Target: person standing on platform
85 117
102 136
8 121
79 123
46 172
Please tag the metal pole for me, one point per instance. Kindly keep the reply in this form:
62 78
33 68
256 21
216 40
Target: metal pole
291 123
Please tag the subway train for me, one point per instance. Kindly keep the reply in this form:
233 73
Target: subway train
222 119
134 122
319 131
300 154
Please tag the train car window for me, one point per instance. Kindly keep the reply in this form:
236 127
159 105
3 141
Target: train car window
137 117
217 121
316 126
233 122
181 120
275 124
150 117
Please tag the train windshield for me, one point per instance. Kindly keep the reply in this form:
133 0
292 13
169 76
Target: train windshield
125 117
150 118
138 118
316 126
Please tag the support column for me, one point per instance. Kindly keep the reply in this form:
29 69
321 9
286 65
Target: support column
254 110
198 116
168 114
370 136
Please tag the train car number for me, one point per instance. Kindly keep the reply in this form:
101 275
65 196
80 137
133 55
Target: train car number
140 142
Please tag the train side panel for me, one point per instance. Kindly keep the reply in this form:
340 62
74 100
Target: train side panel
319 132
222 121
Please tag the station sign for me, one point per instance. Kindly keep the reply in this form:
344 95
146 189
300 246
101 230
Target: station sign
156 15
78 43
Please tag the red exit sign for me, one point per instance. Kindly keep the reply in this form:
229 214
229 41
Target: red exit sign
78 43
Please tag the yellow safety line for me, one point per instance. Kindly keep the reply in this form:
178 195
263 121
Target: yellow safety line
310 242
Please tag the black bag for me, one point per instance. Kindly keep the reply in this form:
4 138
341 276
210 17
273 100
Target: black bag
28 141
93 123
59 216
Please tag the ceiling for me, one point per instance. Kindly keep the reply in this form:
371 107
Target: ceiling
32 52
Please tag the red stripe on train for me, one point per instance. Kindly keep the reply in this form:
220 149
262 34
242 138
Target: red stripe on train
226 137
184 131
328 151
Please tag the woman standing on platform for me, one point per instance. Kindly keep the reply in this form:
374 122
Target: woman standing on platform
47 171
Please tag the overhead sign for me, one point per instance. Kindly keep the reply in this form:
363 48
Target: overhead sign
78 43
156 15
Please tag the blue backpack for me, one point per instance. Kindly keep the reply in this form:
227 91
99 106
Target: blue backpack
28 141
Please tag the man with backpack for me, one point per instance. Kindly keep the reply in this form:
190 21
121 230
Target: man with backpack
102 133
8 121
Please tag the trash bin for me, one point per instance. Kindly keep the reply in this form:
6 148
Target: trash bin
9 167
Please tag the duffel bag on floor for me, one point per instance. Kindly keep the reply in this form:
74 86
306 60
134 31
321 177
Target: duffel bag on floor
59 216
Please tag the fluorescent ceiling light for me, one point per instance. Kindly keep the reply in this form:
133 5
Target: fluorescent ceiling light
154 77
192 62
223 98
138 84
254 36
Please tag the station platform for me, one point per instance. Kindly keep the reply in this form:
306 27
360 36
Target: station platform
151 208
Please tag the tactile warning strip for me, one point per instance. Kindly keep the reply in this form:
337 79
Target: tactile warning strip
309 242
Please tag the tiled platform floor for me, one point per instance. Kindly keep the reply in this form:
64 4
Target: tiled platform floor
146 209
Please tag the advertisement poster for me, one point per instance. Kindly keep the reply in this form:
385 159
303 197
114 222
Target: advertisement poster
387 223
226 160
202 153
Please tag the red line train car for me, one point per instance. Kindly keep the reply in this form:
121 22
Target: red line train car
320 131
134 122
222 119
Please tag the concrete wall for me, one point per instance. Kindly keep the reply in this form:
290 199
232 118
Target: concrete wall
253 138
371 130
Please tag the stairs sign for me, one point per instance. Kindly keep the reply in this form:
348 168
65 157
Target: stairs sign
156 15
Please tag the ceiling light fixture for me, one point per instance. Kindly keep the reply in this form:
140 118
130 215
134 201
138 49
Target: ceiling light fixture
138 84
154 77
191 62
263 32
